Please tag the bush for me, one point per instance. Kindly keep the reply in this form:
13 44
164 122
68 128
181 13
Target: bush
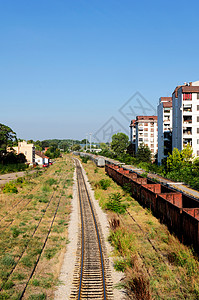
20 180
104 184
85 159
10 188
115 203
15 231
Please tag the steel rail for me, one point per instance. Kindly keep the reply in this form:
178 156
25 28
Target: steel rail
81 176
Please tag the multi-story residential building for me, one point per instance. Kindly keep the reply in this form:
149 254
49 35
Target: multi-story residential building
186 116
164 128
147 132
27 149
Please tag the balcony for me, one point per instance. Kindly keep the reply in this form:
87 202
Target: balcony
187 119
186 142
167 111
187 130
187 108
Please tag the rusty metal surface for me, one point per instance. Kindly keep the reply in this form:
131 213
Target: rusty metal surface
177 210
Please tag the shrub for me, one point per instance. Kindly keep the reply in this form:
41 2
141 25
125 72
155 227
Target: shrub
104 184
120 265
20 180
85 159
15 231
115 203
10 188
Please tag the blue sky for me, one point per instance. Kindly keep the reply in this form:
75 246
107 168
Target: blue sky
66 67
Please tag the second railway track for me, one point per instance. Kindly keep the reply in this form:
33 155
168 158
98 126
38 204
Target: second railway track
92 278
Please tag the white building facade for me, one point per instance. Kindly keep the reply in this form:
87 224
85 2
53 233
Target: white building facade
164 128
147 132
186 117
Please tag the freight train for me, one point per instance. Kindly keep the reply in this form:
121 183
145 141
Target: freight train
177 210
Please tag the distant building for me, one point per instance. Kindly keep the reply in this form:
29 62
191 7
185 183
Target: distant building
147 132
41 158
27 149
185 131
164 128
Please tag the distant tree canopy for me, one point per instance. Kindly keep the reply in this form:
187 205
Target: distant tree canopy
7 138
52 152
84 141
120 142
143 153
76 147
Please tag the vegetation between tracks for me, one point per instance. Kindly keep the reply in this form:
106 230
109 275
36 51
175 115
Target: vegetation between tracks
156 264
25 220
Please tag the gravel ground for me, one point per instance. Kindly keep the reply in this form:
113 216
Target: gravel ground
66 276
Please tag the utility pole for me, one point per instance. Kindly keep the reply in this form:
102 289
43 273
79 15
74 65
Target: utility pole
86 141
90 141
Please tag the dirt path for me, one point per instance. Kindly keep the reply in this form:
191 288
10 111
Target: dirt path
12 176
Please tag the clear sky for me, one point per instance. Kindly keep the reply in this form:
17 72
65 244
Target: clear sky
66 67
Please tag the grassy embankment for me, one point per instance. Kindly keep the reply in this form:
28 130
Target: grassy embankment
25 220
156 264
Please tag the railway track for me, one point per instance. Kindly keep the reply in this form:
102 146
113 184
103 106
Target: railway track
92 278
32 235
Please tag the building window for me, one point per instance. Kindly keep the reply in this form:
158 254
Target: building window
197 130
197 153
197 141
197 107
197 119
198 96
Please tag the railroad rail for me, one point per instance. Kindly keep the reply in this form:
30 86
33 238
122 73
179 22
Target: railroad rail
92 278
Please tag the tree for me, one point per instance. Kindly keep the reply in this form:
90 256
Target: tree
76 147
7 138
143 153
119 143
180 159
84 141
52 152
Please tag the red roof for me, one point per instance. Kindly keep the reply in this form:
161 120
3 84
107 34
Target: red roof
167 104
41 154
146 118
166 99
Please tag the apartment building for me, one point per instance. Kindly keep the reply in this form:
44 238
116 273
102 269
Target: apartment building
27 149
185 131
164 128
147 132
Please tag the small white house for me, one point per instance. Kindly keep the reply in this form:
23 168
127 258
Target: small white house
40 158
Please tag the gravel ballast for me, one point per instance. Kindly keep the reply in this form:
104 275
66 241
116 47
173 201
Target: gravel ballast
66 276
